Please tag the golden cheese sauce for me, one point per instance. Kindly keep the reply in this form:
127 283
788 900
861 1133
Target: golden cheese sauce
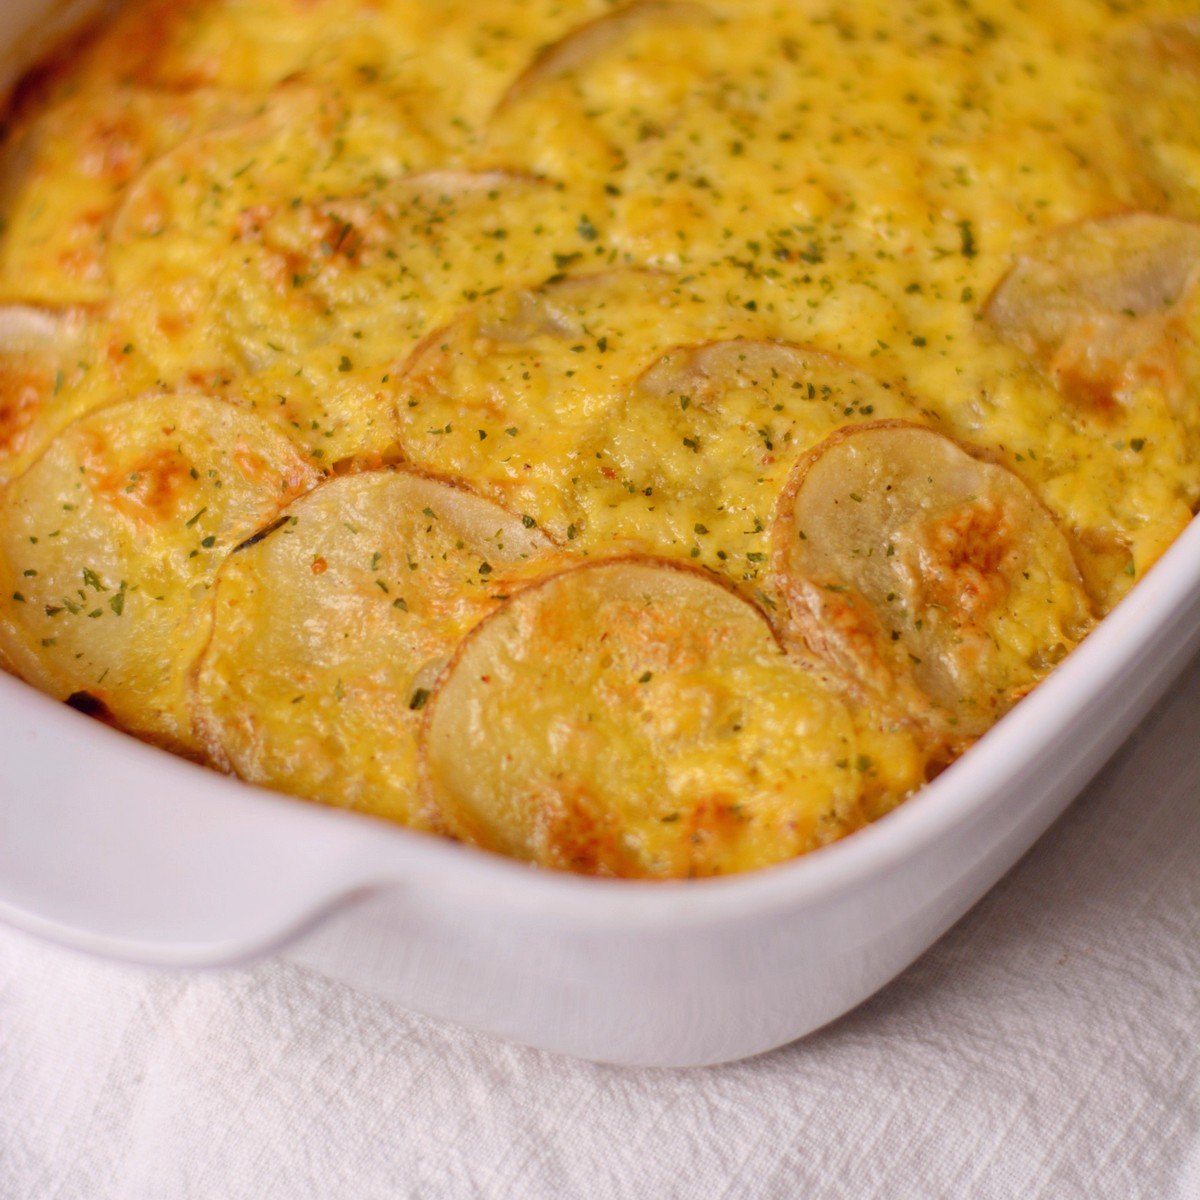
344 342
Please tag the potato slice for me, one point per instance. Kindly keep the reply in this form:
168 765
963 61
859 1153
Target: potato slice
206 184
1111 311
635 718
109 542
56 365
510 393
330 629
335 290
363 274
269 185
1100 303
303 141
588 41
697 454
937 580
585 102
64 174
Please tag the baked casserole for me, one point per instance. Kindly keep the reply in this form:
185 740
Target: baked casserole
647 440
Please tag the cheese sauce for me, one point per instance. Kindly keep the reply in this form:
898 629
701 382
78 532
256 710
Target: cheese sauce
619 269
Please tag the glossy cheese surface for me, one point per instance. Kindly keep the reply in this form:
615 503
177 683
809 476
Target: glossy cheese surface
834 366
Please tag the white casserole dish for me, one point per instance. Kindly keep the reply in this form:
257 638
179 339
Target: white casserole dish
120 849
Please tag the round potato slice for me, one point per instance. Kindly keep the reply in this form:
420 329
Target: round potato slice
335 290
63 176
290 146
330 629
588 99
936 580
1101 303
267 184
586 42
701 446
635 718
56 365
509 394
108 544
1110 309
227 183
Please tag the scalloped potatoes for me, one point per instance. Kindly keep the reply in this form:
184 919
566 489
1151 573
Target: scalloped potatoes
646 439
330 627
110 541
633 717
935 579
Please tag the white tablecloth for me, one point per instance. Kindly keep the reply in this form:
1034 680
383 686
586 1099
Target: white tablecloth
1049 1046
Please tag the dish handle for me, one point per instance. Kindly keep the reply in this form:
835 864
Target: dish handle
118 848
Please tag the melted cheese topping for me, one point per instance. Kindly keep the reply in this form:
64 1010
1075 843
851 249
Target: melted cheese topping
621 269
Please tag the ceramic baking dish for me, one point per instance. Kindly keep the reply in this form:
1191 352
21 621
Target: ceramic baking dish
114 847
